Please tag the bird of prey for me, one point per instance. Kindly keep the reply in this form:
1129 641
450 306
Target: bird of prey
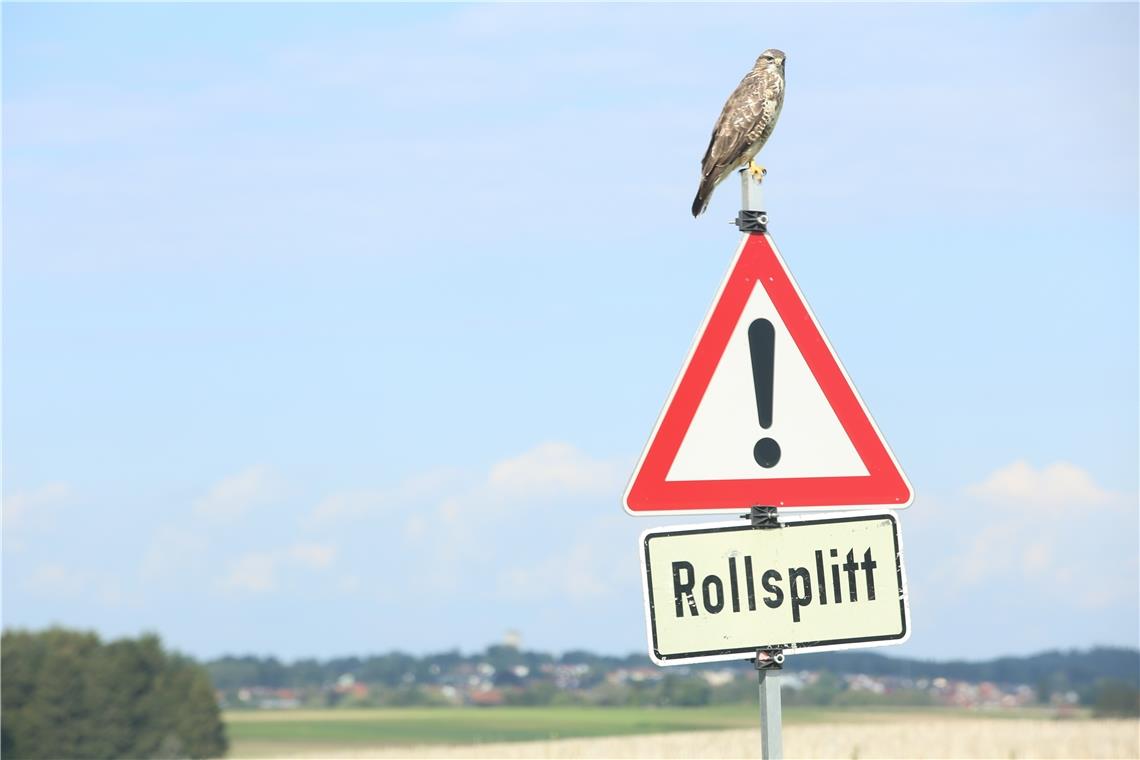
748 118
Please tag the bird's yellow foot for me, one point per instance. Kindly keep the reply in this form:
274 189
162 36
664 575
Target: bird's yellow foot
756 170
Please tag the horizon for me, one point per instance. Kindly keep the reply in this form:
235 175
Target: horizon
890 652
341 328
887 652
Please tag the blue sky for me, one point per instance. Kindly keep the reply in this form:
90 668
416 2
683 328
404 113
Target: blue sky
338 329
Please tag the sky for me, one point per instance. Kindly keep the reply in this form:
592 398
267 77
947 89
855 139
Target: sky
335 330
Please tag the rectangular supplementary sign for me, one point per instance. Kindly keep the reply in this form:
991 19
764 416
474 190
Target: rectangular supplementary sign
722 591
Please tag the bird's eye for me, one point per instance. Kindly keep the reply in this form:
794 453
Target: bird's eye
769 58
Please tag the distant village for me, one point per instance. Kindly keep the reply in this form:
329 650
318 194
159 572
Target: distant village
476 686
506 675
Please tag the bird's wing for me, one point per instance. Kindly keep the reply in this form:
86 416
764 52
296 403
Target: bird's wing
729 137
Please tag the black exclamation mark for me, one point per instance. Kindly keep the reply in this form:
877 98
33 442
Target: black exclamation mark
762 346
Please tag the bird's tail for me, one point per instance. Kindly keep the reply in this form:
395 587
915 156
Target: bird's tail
704 192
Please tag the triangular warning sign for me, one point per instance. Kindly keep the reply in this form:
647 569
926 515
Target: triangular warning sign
763 413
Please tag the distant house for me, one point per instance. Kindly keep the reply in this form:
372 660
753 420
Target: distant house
348 686
488 698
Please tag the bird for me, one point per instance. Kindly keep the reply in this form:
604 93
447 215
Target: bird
745 124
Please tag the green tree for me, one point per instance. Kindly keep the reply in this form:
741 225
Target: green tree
824 691
67 695
1114 697
681 691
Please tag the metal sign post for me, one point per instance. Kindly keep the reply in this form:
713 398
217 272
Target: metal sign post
769 662
771 724
754 218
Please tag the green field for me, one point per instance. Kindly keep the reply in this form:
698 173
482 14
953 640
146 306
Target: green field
266 733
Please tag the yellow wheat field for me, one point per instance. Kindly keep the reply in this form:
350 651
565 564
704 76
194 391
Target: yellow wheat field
917 738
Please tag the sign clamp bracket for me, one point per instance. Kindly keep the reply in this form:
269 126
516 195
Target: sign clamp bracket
769 659
762 518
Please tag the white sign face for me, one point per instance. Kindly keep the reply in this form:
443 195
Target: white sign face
725 590
763 412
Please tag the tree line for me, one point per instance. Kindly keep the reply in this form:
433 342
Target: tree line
67 694
1049 671
399 668
1062 669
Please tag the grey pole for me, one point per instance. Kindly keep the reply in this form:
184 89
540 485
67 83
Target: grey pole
752 194
771 727
752 217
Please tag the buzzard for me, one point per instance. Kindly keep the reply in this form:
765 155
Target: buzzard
748 118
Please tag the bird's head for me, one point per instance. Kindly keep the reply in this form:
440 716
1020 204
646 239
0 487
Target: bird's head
771 59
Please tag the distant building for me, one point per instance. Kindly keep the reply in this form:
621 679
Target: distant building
488 698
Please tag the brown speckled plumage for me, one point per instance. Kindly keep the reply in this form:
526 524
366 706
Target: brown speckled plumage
748 118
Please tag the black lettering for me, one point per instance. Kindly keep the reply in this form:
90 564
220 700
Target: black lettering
869 566
748 584
821 576
850 566
835 580
803 599
711 581
733 589
683 591
777 593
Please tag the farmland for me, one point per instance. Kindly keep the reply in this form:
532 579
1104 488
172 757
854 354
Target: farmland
255 733
673 732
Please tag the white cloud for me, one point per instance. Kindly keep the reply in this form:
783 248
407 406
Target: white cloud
55 579
554 469
24 507
315 556
348 584
238 494
984 554
446 528
1058 485
255 573
1023 532
580 573
1098 580
415 527
172 550
1036 558
58 580
349 504
515 490
446 497
360 503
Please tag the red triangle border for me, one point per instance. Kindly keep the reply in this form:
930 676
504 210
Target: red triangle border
758 262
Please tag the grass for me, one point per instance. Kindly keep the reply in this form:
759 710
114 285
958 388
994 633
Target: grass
469 725
265 733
